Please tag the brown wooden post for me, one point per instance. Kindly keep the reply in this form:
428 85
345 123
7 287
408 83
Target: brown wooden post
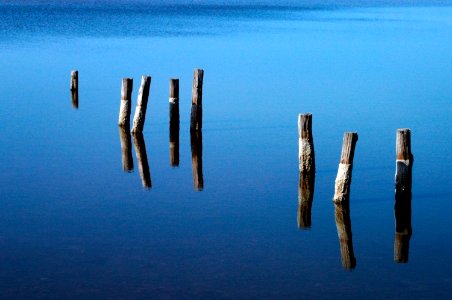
126 149
142 102
344 173
196 101
74 80
74 95
196 159
126 102
142 158
305 143
344 232
174 122
305 197
403 184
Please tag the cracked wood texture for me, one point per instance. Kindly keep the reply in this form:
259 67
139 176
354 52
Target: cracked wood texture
142 103
305 143
344 173
126 102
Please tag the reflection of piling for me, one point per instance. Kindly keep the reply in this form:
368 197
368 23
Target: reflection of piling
126 149
196 159
126 102
142 102
196 101
74 80
344 231
403 183
344 173
74 95
142 159
305 197
174 122
305 143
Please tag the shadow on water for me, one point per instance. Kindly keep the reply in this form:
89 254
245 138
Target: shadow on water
305 198
344 231
142 160
196 159
126 149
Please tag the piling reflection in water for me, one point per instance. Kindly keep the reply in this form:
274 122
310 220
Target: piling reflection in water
174 145
126 149
344 231
196 159
142 158
74 95
305 197
403 229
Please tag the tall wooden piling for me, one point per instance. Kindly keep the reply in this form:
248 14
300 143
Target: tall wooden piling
174 122
142 160
74 96
196 101
305 197
403 184
344 173
126 102
74 80
305 143
344 232
142 102
126 148
196 160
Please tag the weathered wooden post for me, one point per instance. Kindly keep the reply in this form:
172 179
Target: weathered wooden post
196 101
196 159
74 95
126 149
142 102
174 122
126 102
403 184
142 158
344 231
305 143
305 197
74 80
344 173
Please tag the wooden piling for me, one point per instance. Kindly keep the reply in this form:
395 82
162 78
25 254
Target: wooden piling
142 102
305 197
174 122
196 101
74 80
403 184
126 148
142 160
305 143
344 173
196 160
126 102
344 232
74 96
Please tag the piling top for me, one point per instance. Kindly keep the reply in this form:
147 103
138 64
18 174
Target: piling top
305 126
403 144
74 73
348 147
174 88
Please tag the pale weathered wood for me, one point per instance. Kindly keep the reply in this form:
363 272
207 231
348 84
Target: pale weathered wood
305 198
142 160
344 173
305 143
74 80
196 159
403 184
196 101
344 232
142 102
126 102
126 149
74 96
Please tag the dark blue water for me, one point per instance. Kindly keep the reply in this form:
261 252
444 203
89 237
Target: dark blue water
74 225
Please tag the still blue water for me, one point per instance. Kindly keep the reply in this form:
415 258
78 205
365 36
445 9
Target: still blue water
74 225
